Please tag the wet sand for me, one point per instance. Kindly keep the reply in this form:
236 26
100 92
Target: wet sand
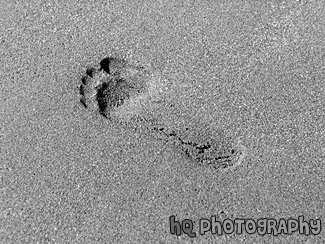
252 71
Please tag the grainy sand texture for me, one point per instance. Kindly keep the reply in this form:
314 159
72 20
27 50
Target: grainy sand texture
247 73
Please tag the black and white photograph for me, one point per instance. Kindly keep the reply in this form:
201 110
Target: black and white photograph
185 121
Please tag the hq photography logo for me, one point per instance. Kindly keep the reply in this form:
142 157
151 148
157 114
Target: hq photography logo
238 226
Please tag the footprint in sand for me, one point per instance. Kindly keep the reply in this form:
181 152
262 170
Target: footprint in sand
129 94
